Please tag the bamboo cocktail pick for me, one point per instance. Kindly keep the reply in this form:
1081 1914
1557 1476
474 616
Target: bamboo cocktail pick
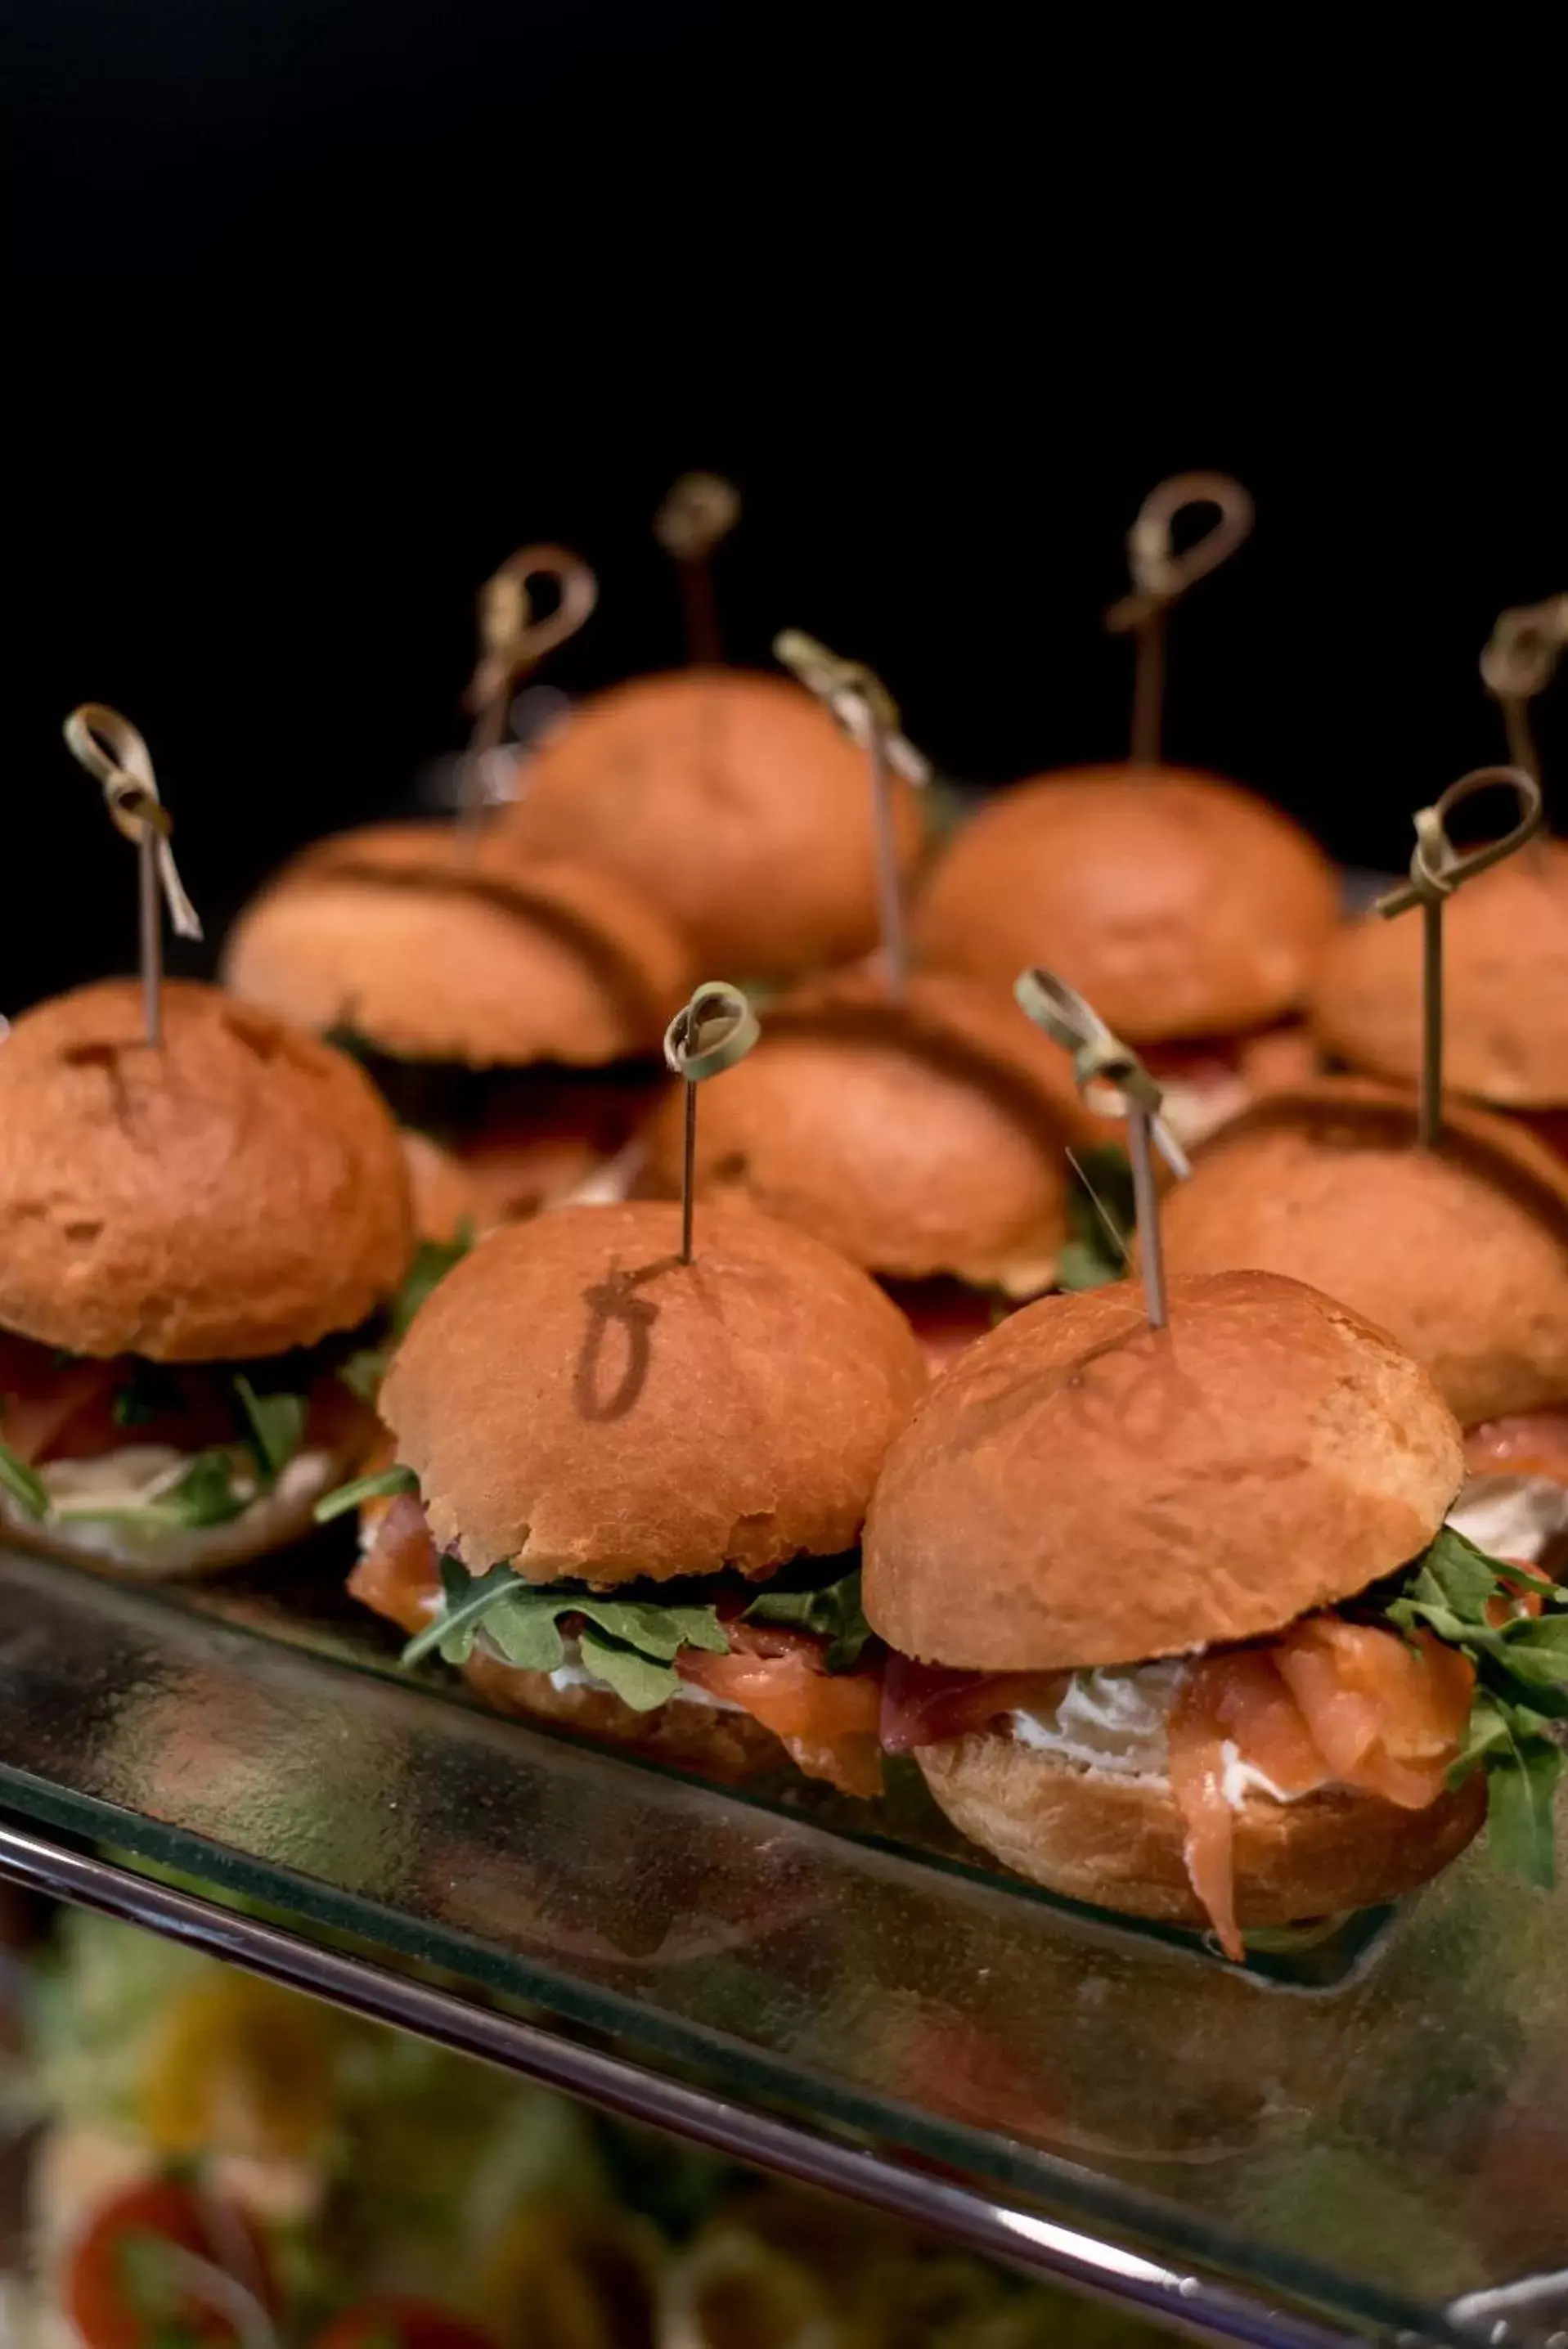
863 706
1519 663
710 1033
1437 870
512 644
1101 1059
701 510
1159 575
115 755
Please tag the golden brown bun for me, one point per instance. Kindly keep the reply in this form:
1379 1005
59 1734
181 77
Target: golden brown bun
440 944
918 1140
574 1399
1117 1841
1505 987
1462 1253
1178 904
734 802
689 1736
1080 1489
236 1192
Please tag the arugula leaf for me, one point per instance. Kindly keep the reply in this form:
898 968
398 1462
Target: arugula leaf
834 1613
433 1260
1521 1780
1522 1685
363 1371
1090 1256
276 1424
382 1485
631 1644
24 1485
209 1493
638 1681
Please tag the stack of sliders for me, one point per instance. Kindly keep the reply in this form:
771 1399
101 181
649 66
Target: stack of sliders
193 1236
1176 1627
731 801
508 1007
629 1485
925 1137
1193 915
1460 1250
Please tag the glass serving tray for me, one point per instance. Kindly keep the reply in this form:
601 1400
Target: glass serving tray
1371 2132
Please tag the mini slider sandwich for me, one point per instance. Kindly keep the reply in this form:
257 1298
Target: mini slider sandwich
1178 1630
926 1138
629 1485
194 1231
1191 913
509 1010
1460 1250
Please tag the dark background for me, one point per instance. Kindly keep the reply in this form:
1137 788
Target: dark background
316 312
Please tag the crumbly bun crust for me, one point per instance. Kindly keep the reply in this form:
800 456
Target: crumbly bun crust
734 802
1117 1841
1178 904
440 944
1460 1252
689 1736
917 1139
234 1191
1081 1489
1505 987
574 1399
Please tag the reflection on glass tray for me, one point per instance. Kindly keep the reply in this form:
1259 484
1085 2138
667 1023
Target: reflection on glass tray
1377 2142
302 1601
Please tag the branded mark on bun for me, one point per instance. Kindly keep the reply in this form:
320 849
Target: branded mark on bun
1178 1628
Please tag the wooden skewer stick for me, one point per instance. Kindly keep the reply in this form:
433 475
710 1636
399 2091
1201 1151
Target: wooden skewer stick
856 697
1101 1059
710 1033
1159 575
1437 870
513 643
1519 663
701 510
115 755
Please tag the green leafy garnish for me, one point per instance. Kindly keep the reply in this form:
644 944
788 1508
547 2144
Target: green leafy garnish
629 1644
433 1260
24 1485
834 1613
213 1489
382 1486
364 1371
1521 1686
276 1425
1091 1255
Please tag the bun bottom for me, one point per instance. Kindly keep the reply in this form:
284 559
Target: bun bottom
729 1746
1117 1842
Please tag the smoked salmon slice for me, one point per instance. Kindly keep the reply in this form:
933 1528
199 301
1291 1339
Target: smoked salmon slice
1532 1443
826 1721
1329 1703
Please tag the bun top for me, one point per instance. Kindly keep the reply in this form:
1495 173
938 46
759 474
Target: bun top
1080 1489
731 800
1505 987
917 1138
232 1193
1462 1251
576 1399
1180 905
437 943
